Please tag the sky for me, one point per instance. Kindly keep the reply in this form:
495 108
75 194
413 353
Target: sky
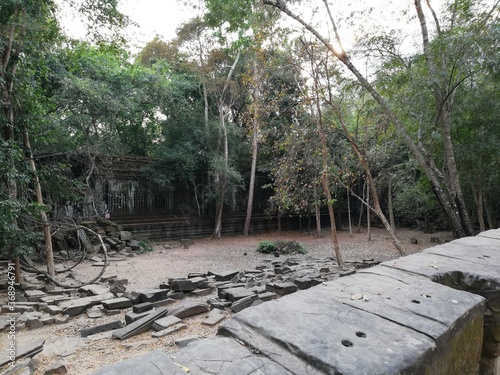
153 17
162 17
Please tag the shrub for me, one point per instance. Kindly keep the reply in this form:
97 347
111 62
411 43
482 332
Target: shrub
281 247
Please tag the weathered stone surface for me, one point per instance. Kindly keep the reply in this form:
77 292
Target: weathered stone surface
225 356
282 288
95 312
117 303
132 316
33 323
165 322
142 307
29 349
214 317
182 285
140 325
189 308
94 289
35 295
53 309
125 235
154 295
151 363
171 329
101 328
244 303
223 275
76 306
235 294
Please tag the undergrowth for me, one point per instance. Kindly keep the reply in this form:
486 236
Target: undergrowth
281 247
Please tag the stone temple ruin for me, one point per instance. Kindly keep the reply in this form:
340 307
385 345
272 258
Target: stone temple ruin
435 312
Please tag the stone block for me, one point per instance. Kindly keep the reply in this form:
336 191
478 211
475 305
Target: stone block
282 288
189 308
33 323
142 307
94 289
140 325
154 295
131 316
125 235
224 275
35 295
117 303
182 285
101 328
244 303
236 294
76 306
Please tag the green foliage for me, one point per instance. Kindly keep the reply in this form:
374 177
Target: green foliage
281 247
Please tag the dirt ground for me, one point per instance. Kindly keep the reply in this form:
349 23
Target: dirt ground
171 260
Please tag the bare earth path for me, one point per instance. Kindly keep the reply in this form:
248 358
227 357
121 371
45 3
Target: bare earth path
170 260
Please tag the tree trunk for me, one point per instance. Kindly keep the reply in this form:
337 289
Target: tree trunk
49 256
368 216
255 133
478 198
389 203
318 212
492 222
349 210
223 176
361 209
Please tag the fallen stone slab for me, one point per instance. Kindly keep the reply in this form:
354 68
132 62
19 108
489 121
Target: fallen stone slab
235 294
244 303
101 328
223 275
33 323
53 309
168 331
29 349
155 362
95 312
139 326
189 308
165 322
117 303
76 306
202 292
282 288
142 307
94 289
131 316
154 295
35 295
24 367
182 285
214 317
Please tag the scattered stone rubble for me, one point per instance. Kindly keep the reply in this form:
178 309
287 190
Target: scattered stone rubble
160 310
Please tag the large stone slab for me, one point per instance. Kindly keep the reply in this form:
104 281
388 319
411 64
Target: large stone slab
336 337
154 295
155 362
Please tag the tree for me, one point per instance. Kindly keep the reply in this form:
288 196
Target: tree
446 186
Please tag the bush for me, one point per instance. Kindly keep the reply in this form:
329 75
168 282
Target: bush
281 247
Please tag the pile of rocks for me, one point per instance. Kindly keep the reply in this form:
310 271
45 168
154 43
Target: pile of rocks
161 310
